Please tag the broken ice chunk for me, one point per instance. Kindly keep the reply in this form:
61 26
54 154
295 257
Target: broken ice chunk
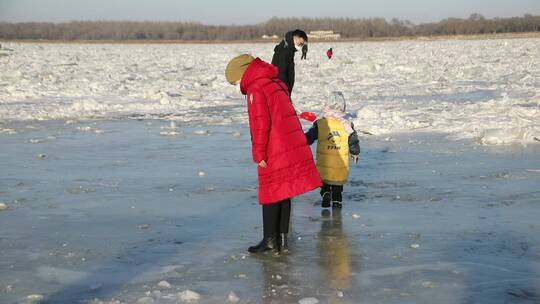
163 285
200 132
308 301
34 298
95 287
188 296
233 298
145 300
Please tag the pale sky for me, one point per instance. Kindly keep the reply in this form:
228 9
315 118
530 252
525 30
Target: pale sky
250 12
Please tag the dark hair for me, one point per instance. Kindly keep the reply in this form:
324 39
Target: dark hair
300 34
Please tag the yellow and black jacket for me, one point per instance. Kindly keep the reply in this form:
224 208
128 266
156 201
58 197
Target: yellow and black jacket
333 149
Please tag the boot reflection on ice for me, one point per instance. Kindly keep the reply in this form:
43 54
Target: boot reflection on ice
333 250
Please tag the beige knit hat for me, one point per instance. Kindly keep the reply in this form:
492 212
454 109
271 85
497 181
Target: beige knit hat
236 67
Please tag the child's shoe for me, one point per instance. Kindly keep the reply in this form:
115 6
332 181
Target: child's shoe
326 198
337 205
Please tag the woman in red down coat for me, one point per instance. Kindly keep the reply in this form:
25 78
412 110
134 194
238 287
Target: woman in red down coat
279 147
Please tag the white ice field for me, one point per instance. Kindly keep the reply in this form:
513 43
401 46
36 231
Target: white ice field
484 90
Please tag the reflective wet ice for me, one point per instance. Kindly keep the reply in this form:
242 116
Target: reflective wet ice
110 215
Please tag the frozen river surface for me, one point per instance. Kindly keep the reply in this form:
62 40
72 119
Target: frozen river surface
108 209
126 177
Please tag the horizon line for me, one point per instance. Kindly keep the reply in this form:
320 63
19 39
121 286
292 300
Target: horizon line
269 19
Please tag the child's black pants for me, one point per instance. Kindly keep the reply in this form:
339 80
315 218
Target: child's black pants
335 191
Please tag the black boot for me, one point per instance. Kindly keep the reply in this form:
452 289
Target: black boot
283 243
337 205
267 244
326 198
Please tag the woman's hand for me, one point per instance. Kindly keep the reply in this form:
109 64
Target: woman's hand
356 158
262 164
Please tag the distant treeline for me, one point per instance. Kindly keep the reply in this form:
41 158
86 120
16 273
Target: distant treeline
347 27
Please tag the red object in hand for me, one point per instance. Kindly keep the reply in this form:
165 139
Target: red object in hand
309 116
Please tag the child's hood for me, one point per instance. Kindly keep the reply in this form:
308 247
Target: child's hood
336 101
340 116
335 108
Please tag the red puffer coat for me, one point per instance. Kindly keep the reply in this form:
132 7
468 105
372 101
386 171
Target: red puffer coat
276 136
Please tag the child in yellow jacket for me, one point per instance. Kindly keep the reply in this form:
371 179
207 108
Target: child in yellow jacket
337 142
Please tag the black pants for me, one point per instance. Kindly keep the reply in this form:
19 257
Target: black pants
276 218
335 191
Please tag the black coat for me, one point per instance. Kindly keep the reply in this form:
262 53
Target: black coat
284 59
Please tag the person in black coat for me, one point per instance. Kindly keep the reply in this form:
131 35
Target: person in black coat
304 52
284 56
